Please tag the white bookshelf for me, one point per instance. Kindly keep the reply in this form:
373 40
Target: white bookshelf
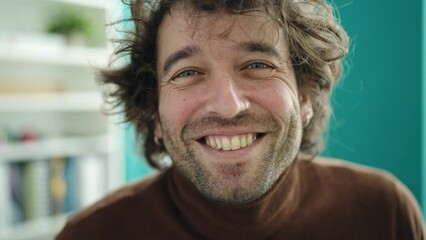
40 229
79 146
68 101
101 4
57 55
49 86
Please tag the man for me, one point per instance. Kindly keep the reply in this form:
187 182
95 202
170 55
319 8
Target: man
236 93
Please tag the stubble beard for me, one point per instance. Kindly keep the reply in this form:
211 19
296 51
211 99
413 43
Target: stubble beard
229 184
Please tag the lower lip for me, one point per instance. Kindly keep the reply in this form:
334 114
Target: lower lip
231 155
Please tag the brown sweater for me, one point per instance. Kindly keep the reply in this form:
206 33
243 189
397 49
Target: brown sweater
319 200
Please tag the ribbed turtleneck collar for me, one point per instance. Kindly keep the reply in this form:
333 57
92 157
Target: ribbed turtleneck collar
255 220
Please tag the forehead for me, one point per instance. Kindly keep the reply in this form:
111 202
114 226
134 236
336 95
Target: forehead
185 26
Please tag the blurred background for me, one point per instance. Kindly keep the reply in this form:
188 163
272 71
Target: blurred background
59 152
380 107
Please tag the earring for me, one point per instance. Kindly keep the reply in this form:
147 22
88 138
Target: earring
156 141
246 105
307 120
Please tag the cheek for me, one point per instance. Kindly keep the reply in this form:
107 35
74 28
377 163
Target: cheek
277 97
176 107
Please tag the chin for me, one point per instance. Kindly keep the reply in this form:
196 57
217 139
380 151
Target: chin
234 184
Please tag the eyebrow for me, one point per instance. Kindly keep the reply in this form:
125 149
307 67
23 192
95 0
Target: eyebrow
185 52
260 47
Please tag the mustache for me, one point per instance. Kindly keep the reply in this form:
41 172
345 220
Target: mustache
249 120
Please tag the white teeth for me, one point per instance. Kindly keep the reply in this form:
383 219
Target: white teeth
231 143
243 142
235 143
218 143
226 144
249 140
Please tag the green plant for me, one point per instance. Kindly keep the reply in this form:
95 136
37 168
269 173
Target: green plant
68 22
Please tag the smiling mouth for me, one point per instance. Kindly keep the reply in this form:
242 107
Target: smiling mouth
229 143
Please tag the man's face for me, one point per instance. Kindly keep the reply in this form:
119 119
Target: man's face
229 111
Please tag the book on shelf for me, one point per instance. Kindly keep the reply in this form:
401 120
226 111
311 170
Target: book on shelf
92 179
36 202
72 177
40 188
58 185
16 173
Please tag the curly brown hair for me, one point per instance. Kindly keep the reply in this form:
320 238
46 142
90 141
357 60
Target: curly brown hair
317 44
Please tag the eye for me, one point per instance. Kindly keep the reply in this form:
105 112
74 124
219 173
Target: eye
185 74
257 70
258 65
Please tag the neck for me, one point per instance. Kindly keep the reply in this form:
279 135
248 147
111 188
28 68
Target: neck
256 219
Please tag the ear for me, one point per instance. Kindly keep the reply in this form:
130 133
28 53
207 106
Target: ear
158 133
306 110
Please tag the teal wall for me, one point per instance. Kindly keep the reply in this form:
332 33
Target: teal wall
423 146
136 167
378 106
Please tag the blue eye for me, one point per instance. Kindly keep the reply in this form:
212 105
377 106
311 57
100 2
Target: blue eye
258 70
258 65
186 73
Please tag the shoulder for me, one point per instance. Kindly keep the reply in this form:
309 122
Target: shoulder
351 177
367 189
341 172
134 191
339 165
116 208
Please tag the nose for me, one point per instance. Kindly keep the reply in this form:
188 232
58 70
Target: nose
226 99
